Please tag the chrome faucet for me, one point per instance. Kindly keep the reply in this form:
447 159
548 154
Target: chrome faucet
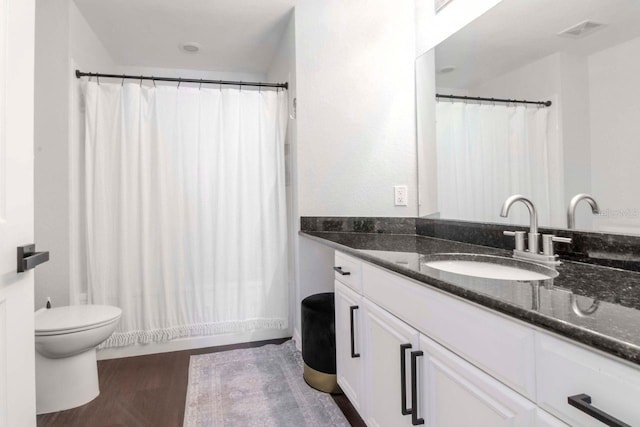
534 236
571 212
532 253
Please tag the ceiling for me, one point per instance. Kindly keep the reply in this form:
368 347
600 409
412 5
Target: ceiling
235 35
517 32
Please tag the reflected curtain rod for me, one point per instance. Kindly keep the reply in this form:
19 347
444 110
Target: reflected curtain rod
508 101
179 80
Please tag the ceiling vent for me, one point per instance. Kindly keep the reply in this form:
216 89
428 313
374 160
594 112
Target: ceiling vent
580 30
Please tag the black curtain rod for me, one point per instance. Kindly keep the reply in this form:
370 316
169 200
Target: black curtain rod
181 80
509 101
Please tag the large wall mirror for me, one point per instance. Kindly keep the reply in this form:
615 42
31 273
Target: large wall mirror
577 62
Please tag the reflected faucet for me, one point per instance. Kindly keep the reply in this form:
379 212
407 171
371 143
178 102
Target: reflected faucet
534 236
571 212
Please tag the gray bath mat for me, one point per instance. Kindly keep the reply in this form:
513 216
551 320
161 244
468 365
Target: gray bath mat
255 387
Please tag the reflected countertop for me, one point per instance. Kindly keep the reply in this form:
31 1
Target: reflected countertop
596 306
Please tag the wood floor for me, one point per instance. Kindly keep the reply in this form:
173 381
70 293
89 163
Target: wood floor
149 391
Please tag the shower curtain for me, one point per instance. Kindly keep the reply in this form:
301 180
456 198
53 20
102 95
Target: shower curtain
486 153
185 209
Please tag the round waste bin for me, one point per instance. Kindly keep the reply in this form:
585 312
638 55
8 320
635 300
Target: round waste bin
319 342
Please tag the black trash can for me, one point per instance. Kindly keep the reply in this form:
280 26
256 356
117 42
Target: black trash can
319 342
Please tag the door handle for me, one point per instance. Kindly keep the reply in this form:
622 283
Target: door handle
28 258
339 270
583 403
414 389
403 379
352 309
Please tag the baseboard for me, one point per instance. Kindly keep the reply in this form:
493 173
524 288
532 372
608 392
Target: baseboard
297 339
192 343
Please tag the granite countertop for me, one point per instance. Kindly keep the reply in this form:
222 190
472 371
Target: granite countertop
597 306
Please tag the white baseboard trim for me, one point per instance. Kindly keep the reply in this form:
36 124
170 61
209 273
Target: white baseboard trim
192 343
297 339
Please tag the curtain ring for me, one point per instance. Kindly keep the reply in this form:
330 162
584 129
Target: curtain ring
200 86
122 83
240 85
179 81
220 86
140 81
98 79
153 80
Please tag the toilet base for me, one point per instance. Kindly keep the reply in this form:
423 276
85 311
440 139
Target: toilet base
67 382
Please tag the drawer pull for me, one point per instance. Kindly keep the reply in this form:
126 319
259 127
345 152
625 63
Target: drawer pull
414 389
403 379
352 309
583 403
343 273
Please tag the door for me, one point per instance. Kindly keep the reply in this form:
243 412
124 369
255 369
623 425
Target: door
455 393
387 351
349 344
17 369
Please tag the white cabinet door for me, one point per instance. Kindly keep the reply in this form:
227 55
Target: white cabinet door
388 344
454 393
17 349
545 419
349 365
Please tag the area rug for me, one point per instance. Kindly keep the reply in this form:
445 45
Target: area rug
260 386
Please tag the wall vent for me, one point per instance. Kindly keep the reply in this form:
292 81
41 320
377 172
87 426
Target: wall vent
582 29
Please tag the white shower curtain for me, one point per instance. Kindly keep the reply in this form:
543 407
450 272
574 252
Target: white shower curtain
487 153
185 209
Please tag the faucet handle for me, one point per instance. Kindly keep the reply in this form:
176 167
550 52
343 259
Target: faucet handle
549 239
519 236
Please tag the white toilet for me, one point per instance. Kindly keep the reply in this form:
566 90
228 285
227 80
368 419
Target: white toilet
66 341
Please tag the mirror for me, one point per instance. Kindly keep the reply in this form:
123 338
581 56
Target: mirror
578 62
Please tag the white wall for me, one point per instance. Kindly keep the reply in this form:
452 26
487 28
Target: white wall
356 106
64 41
614 87
355 126
283 69
434 28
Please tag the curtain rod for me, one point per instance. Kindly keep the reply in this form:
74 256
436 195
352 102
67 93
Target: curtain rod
509 101
181 80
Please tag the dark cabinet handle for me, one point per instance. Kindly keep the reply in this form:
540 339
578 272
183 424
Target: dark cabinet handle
339 270
414 389
28 258
403 379
583 403
352 309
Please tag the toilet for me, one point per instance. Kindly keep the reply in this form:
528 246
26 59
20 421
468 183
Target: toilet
66 339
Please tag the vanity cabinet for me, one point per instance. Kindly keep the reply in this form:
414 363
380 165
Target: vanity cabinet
349 361
411 355
453 392
388 345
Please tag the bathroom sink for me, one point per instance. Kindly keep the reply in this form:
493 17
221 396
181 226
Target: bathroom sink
488 267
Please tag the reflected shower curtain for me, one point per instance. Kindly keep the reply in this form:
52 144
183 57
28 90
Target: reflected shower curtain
185 209
487 153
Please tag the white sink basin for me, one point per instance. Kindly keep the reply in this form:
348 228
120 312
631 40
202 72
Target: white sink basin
489 267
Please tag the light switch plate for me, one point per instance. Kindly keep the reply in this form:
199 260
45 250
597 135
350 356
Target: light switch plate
400 195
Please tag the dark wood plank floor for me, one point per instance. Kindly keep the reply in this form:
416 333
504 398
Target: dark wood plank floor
149 391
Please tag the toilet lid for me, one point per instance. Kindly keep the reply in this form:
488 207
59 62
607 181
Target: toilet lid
59 319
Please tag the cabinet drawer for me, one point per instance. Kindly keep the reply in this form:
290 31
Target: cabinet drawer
497 345
348 271
565 369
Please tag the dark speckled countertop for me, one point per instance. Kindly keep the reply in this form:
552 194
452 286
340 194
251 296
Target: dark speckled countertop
597 306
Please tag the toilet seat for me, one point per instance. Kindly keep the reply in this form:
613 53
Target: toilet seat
74 318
